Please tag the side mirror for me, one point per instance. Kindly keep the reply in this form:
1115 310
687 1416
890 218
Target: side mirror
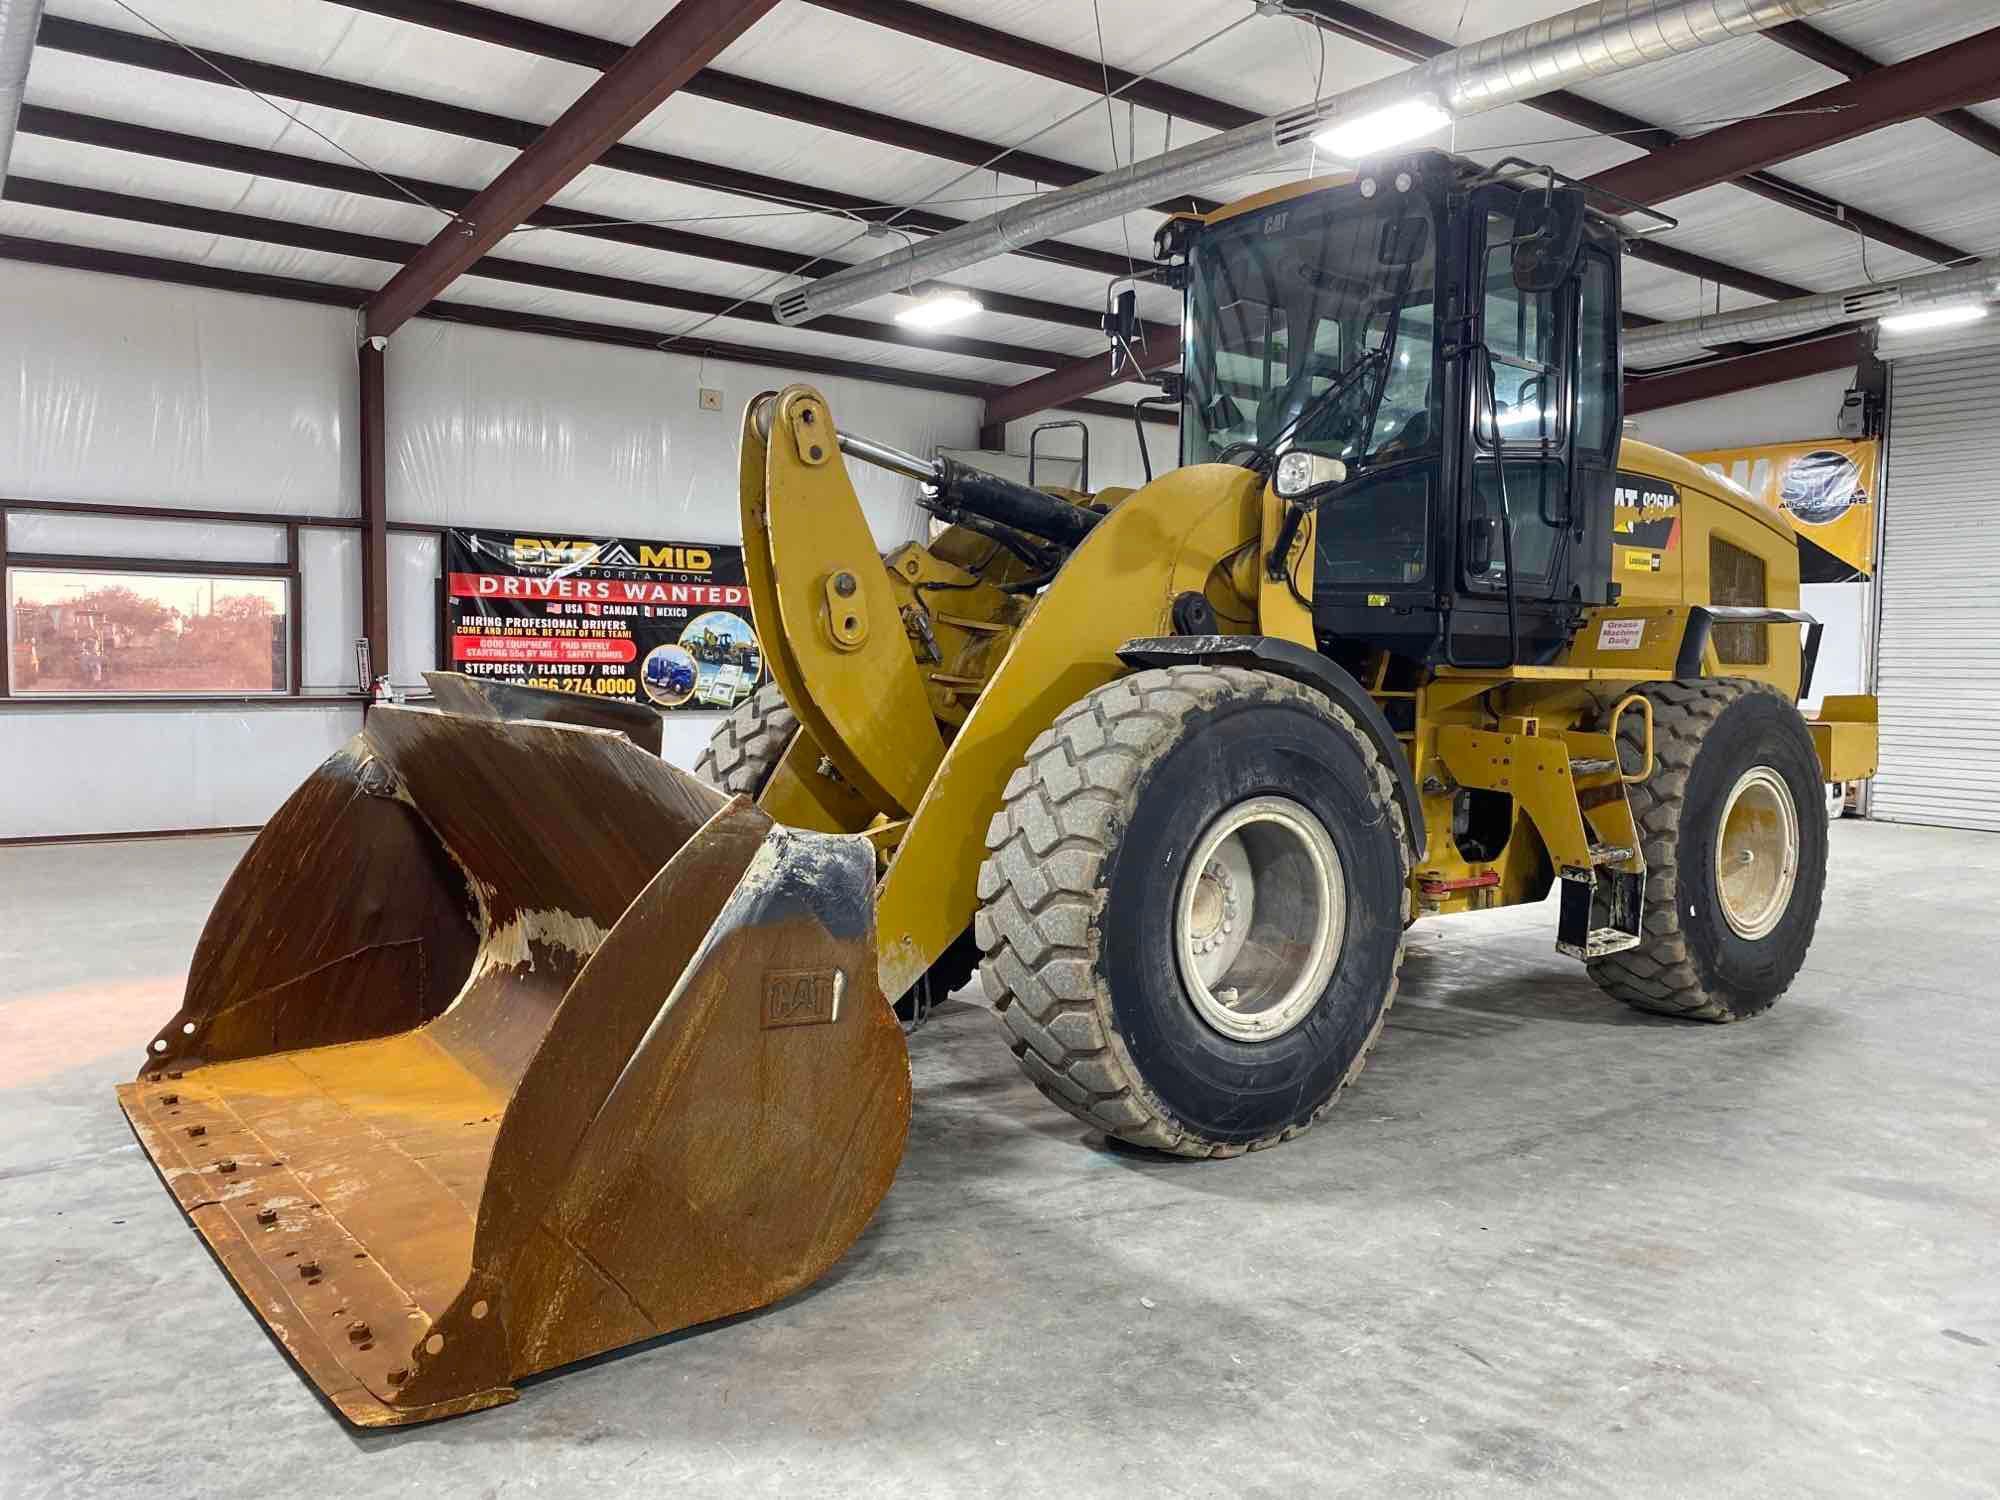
1548 238
1479 532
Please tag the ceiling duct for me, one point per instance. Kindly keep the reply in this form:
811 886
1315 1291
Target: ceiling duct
19 21
1588 42
1695 338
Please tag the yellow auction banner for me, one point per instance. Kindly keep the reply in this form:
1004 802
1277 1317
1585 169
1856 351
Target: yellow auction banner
1827 489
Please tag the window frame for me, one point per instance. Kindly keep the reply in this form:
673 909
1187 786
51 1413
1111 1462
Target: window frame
151 567
1562 336
1596 259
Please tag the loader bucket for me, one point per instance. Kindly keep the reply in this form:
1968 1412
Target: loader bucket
508 1044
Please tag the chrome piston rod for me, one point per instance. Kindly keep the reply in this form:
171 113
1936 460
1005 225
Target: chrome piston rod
895 460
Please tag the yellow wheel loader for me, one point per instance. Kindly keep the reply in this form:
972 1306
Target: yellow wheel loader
507 1044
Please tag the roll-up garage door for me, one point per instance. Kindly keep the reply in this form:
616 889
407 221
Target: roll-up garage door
1939 646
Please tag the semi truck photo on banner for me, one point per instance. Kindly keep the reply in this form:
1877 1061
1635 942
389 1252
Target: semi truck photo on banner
664 623
1827 489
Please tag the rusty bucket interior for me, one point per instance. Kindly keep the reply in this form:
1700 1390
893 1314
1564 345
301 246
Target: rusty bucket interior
508 1044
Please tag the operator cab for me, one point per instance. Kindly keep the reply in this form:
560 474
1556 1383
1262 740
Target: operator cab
1449 333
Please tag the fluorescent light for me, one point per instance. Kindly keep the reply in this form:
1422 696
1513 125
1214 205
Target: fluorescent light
1935 317
1406 120
938 309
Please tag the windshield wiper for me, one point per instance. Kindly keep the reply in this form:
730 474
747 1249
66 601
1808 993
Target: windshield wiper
1325 399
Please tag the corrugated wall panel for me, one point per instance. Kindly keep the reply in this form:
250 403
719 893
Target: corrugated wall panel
1939 651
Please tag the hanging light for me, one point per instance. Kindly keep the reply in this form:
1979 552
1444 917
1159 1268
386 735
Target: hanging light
1368 135
935 309
1947 316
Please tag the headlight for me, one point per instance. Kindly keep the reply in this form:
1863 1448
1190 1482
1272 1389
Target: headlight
1299 472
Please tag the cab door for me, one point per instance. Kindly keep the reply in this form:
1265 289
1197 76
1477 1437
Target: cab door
1523 421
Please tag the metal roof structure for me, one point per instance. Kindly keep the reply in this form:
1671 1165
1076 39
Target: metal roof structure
314 148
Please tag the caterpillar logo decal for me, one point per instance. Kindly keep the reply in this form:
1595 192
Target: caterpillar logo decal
802 997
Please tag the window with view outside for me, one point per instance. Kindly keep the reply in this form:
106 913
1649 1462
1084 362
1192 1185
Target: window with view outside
1286 308
140 633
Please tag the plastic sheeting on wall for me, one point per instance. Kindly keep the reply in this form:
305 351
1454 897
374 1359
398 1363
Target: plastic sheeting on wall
140 393
142 770
128 536
498 429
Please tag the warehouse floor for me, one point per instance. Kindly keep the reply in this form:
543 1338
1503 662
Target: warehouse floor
1544 1245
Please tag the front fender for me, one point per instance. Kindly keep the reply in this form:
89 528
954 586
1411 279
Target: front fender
1163 540
1263 653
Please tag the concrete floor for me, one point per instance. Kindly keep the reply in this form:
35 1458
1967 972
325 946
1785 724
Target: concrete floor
1545 1245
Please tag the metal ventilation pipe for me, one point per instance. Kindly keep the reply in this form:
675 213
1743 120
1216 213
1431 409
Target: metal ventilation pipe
1691 338
1588 42
19 21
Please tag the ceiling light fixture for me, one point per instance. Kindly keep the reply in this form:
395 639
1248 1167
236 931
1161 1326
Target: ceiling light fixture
1365 135
935 309
1951 314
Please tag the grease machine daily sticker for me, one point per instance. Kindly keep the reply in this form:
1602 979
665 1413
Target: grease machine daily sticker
665 623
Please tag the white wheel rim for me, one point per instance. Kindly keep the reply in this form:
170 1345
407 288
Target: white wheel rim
1757 853
1259 918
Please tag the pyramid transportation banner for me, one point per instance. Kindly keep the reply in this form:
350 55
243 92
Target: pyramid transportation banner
665 623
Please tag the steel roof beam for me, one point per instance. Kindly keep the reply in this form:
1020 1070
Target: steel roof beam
1356 24
138 210
107 44
1964 72
1053 63
31 251
539 39
684 40
255 161
1076 379
1728 377
1830 52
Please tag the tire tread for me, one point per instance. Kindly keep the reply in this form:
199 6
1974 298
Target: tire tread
1060 820
1660 974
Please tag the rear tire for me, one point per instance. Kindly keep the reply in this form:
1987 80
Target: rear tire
1099 927
741 755
1735 774
747 746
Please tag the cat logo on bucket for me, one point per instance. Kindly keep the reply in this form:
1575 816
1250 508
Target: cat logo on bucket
802 997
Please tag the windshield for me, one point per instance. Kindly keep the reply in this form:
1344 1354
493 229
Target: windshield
1284 304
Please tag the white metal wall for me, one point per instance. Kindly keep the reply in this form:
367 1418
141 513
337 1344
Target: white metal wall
1938 652
136 393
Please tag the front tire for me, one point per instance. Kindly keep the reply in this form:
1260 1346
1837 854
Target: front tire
1733 822
1193 906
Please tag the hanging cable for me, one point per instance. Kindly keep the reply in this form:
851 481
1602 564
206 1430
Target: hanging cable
943 188
215 67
